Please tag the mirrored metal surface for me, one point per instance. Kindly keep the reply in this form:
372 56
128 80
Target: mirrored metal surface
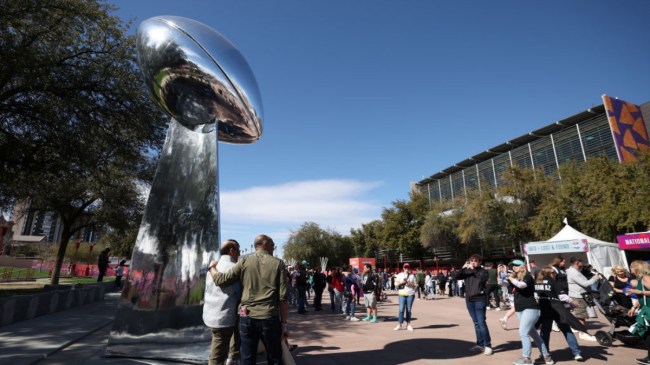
161 302
198 77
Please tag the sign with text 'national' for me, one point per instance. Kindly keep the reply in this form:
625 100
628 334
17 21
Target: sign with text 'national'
634 241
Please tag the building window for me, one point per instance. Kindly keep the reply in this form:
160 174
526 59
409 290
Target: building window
486 173
445 189
521 157
543 155
501 166
471 179
597 138
567 145
457 184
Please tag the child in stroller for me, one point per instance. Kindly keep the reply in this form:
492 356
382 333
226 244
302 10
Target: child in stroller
615 314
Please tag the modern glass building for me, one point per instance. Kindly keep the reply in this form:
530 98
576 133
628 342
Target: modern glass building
576 138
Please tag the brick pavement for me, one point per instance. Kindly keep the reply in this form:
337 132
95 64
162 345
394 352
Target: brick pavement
443 334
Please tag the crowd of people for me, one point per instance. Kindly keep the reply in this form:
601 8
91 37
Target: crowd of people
545 300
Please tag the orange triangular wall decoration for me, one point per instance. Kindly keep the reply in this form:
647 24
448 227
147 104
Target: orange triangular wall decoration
639 128
614 125
626 117
628 140
627 155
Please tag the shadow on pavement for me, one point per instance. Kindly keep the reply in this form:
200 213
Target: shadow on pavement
397 352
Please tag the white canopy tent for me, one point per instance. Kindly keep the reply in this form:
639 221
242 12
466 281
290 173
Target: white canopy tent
571 242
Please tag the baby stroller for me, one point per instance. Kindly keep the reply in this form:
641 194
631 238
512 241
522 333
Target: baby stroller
615 314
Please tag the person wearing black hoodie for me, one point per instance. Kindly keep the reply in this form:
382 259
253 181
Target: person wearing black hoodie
475 278
551 303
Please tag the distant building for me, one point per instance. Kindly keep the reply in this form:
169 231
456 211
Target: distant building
33 226
615 129
594 132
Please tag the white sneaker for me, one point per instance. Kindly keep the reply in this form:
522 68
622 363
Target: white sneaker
586 337
347 318
488 351
555 328
504 323
498 309
354 319
398 327
409 328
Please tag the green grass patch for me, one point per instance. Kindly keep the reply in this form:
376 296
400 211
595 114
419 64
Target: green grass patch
23 273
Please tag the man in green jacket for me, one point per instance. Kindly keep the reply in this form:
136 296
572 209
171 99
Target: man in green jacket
263 309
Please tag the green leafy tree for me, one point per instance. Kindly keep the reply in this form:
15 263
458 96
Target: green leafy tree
520 196
309 242
77 129
481 218
401 224
440 228
342 250
365 239
634 195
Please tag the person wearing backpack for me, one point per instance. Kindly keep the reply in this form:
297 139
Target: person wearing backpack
370 285
349 281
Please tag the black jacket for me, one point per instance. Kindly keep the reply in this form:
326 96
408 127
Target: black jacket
475 282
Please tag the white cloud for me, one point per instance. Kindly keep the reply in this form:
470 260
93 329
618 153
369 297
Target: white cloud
336 204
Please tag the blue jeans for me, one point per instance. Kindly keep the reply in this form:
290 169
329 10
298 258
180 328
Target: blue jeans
477 312
527 320
350 305
338 301
405 302
545 333
269 331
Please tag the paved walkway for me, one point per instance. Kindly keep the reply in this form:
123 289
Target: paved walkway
443 334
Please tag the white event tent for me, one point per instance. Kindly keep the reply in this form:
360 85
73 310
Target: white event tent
570 242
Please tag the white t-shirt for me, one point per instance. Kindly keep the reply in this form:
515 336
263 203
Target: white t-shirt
408 289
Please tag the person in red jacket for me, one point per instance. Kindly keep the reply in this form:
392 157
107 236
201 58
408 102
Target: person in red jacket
339 290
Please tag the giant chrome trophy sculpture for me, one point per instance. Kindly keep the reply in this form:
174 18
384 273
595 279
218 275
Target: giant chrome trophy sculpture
201 80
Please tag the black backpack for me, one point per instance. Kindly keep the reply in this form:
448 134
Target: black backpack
370 284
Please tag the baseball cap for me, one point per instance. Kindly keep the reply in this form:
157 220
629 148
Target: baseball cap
517 263
407 265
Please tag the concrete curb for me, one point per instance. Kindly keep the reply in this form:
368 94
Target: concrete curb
23 307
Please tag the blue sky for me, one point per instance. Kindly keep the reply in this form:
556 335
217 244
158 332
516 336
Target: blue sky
361 98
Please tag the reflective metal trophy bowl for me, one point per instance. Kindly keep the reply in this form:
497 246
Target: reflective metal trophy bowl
201 80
